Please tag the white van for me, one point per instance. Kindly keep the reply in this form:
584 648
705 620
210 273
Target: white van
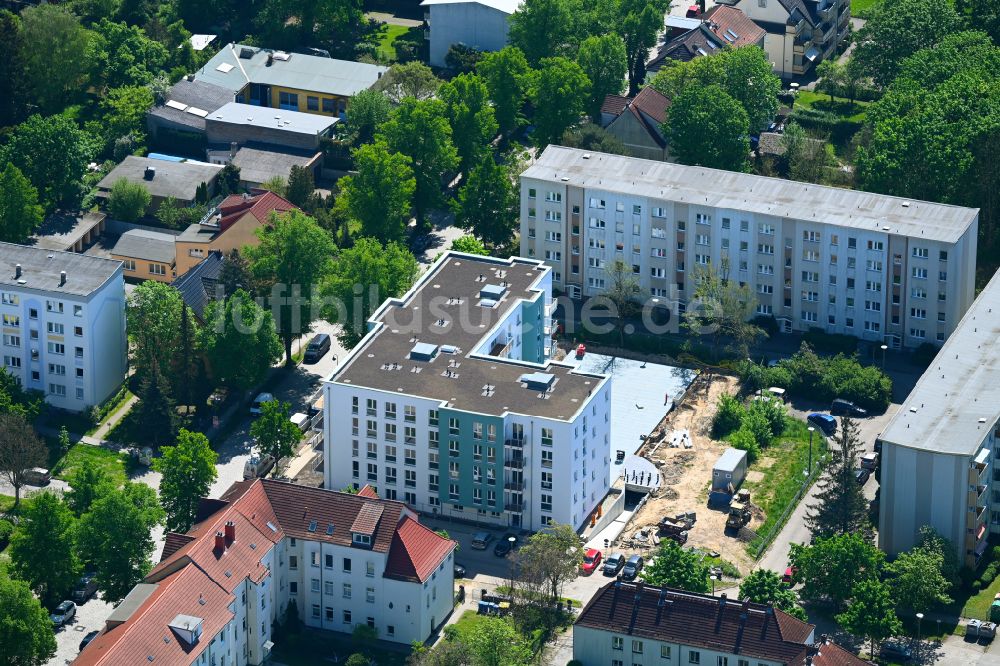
300 420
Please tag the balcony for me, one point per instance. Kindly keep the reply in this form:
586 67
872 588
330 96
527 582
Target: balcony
516 486
826 13
828 30
514 462
550 307
515 443
514 507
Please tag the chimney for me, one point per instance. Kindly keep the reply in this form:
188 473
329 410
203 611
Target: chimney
220 542
233 148
17 272
270 59
230 532
149 173
62 278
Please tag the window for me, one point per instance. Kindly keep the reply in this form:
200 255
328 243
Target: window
702 239
765 289
314 586
12 340
390 453
918 313
370 595
546 459
56 369
942 255
288 101
659 212
919 273
54 348
810 276
636 646
871 285
553 196
918 333
597 203
546 480
78 331
873 306
547 436
921 253
390 432
765 248
553 216
765 269
878 246
617 643
810 236
157 269
664 652
312 103
372 472
943 276
53 306
532 193
410 478
546 502
347 617
702 259
810 255
553 236
328 105
658 272
372 448
78 352
315 610
694 657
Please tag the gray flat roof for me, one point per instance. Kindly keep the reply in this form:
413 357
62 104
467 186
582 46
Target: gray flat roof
459 380
40 269
149 245
235 113
257 165
304 72
61 231
961 386
757 194
730 459
132 601
200 95
173 179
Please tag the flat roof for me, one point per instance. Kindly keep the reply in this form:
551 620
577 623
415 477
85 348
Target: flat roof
956 402
148 245
197 96
757 194
61 231
173 179
40 269
249 115
505 6
258 165
443 309
730 459
291 70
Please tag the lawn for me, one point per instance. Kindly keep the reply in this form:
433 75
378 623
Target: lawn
862 8
467 624
85 455
840 106
387 45
319 647
783 465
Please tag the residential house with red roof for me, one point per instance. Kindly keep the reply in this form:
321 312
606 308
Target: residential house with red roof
231 225
638 122
723 26
642 625
343 560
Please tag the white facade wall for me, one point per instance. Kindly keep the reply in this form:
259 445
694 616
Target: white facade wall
470 23
72 348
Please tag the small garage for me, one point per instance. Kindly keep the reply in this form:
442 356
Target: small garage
729 470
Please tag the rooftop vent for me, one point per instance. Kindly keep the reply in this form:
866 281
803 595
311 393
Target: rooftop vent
246 53
187 627
493 292
282 56
537 381
17 271
149 173
423 351
449 349
487 303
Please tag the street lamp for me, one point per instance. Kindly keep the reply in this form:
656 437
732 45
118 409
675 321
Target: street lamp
884 347
810 470
510 555
920 616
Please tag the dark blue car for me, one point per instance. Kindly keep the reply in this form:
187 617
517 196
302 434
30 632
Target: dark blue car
824 422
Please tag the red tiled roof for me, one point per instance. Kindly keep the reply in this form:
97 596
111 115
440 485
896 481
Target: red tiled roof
368 491
415 551
831 654
261 203
614 104
723 18
651 102
145 633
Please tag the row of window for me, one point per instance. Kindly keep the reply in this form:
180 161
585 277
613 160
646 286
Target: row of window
56 307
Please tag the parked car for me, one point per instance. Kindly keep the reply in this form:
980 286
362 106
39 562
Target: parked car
824 422
869 461
505 545
259 401
89 637
257 467
632 567
480 540
37 476
861 476
85 588
841 407
317 349
895 651
614 564
591 561
63 613
789 577
459 570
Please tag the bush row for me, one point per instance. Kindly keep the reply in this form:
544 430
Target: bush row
749 429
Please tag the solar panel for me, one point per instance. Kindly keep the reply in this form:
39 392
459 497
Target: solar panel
225 67
174 104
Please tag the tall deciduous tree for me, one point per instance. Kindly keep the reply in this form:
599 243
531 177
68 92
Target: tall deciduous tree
26 634
128 201
123 55
239 340
549 559
473 124
721 308
678 568
602 59
273 432
235 274
13 87
340 26
545 28
638 23
559 93
300 186
362 278
20 214
293 256
380 194
830 568
52 153
496 642
115 538
469 245
707 127
154 326
871 613
841 507
917 580
52 34
43 549
410 79
366 111
188 470
508 78
763 586
86 486
624 293
20 450
487 204
419 129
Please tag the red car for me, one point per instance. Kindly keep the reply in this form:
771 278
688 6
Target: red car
591 561
789 577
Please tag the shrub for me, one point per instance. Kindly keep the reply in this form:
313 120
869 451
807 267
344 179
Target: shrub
773 412
758 426
728 417
767 323
778 376
128 201
6 530
745 440
837 377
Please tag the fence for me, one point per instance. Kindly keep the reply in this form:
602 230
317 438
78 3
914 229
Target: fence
769 536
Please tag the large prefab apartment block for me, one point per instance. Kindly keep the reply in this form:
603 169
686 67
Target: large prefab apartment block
885 269
452 404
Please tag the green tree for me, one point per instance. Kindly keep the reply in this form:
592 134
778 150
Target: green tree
707 127
763 586
473 124
115 538
721 308
273 432
419 129
623 294
20 450
235 273
469 245
381 272
293 256
508 78
678 568
807 158
340 27
932 542
239 340
831 76
300 186
87 484
896 30
52 34
487 204
43 549
559 93
128 201
20 214
51 152
602 59
229 179
26 635
357 659
156 410
411 79
13 87
545 28
728 416
594 138
154 327
123 55
871 613
366 112
445 653
638 23
123 116
496 642
830 568
380 194
546 562
276 184
917 581
841 507
188 470
984 14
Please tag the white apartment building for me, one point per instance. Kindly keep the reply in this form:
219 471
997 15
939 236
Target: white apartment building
451 402
63 320
940 451
341 559
881 268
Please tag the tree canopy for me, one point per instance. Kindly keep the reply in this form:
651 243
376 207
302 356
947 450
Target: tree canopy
380 194
26 634
559 94
51 33
188 470
239 340
545 28
273 432
707 127
508 78
678 568
52 153
473 124
602 59
43 549
841 507
128 201
763 586
487 204
830 568
20 213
